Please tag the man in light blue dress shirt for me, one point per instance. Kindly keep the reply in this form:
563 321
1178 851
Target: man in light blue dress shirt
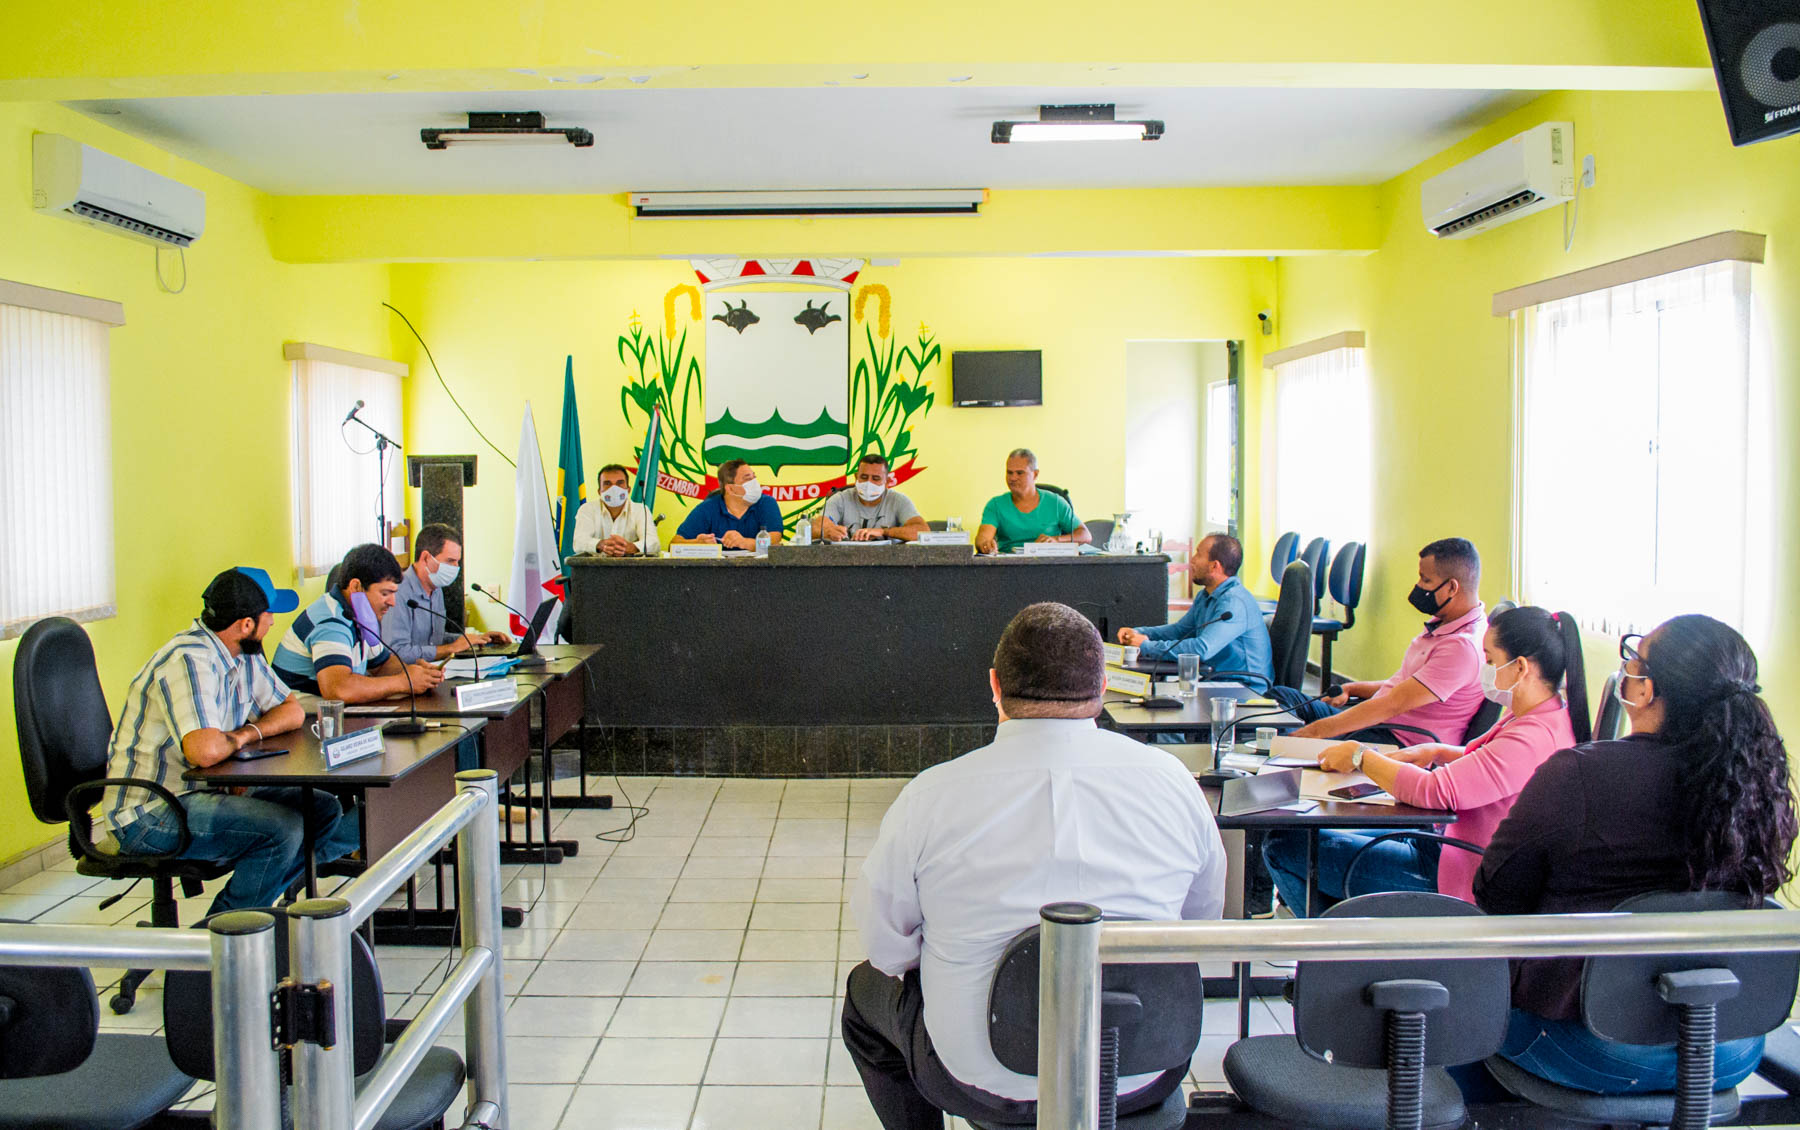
1236 646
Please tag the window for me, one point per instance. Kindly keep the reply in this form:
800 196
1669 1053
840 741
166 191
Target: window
1322 443
336 465
56 507
1633 449
1221 455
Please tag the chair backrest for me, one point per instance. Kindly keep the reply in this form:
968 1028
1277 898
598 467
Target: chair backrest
1290 632
49 1018
1346 580
1609 721
1063 491
1333 1016
1100 528
1287 547
187 1007
1317 557
1619 999
1481 721
1501 606
64 725
1156 1008
938 524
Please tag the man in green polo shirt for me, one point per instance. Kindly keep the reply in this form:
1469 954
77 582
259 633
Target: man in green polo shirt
1025 513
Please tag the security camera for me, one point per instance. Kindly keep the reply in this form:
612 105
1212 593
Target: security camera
1267 318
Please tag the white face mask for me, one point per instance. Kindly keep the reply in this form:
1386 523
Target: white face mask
1490 676
445 575
614 496
752 491
1619 687
869 492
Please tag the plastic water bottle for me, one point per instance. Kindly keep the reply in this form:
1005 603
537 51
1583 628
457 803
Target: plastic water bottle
762 543
803 532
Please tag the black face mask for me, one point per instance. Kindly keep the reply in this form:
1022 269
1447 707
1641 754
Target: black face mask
1424 599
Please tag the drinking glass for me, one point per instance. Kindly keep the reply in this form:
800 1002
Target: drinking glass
331 720
1224 726
953 524
1188 670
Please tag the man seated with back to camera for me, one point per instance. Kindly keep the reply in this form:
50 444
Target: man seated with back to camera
1055 809
1225 625
1438 687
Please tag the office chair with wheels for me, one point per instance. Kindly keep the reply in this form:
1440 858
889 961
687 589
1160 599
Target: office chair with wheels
64 731
1690 1001
1149 1022
1609 721
58 1069
1350 890
1291 630
1371 1038
1345 586
1317 556
428 1093
1287 547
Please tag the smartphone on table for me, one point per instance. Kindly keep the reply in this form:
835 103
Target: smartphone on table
1357 792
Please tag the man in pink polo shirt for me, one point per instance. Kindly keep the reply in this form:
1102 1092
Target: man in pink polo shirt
1438 686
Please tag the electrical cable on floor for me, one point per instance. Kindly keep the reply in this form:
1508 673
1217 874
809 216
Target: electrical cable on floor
629 832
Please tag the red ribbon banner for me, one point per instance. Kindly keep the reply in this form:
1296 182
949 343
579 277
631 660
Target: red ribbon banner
790 492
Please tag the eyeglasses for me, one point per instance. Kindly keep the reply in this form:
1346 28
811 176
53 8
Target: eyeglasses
1629 648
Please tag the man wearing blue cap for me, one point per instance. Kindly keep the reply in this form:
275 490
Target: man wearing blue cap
205 695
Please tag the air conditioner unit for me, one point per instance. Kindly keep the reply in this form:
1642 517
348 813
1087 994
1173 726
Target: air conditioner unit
84 184
812 202
1517 177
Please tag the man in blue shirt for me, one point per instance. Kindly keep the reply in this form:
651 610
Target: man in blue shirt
1236 646
734 514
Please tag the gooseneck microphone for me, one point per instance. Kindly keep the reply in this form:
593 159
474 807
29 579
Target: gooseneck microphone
452 625
523 619
412 727
353 412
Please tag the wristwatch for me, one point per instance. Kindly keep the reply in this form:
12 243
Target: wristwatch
1356 759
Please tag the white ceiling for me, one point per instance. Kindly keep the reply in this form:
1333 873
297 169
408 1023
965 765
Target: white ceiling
841 137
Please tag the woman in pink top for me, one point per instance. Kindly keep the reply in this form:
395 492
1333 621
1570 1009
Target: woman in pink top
1530 655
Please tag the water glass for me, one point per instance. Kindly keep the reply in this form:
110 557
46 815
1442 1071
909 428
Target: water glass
1265 738
331 720
1188 671
1224 726
953 524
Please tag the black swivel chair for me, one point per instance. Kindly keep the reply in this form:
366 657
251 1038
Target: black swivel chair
1056 490
1388 1027
428 1093
64 730
1688 1001
1149 1022
1287 547
1290 631
1317 556
58 1069
1609 723
1345 586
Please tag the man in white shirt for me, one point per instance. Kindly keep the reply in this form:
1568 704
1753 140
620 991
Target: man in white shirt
613 525
1054 810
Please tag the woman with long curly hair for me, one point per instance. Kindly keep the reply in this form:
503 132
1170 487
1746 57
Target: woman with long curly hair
1698 797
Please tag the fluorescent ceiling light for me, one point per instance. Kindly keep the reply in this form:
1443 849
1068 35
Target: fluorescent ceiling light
812 202
507 128
1093 122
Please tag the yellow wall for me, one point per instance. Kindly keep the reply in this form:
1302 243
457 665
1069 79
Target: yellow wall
1440 362
500 332
199 397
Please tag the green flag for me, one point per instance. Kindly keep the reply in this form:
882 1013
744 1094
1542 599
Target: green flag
571 480
649 463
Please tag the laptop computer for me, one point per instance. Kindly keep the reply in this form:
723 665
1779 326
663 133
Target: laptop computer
526 649
1244 795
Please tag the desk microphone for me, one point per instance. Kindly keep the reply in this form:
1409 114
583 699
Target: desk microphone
523 619
448 623
412 727
353 412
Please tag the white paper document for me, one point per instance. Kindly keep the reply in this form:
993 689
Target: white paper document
1311 748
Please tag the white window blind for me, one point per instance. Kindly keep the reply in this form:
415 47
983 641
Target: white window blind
1221 453
56 513
1633 450
1322 446
335 473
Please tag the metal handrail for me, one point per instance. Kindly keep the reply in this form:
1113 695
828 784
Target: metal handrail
404 1057
368 891
1075 943
88 946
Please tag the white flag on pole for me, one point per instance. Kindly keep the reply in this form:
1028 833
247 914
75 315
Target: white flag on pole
534 534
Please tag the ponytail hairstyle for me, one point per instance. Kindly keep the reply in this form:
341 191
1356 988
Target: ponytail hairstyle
1553 642
1736 795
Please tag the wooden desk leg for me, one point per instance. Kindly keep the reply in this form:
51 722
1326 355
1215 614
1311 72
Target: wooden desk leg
547 756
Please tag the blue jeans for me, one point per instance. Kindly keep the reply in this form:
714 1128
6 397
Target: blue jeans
1397 865
1566 1053
260 834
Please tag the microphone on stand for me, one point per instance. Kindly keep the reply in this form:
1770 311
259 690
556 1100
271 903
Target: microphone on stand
353 412
523 619
449 623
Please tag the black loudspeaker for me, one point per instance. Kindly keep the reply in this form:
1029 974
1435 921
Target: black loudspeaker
1755 47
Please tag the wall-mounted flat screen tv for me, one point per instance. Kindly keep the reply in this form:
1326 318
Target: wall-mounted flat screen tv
996 378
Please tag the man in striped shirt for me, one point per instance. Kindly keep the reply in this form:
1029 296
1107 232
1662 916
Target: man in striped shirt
201 698
334 647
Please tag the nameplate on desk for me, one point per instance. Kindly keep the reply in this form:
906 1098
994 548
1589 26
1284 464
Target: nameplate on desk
687 549
1127 682
488 692
1050 549
352 747
1115 654
944 537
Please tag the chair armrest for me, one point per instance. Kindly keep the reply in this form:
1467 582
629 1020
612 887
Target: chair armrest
81 832
1450 841
1397 729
